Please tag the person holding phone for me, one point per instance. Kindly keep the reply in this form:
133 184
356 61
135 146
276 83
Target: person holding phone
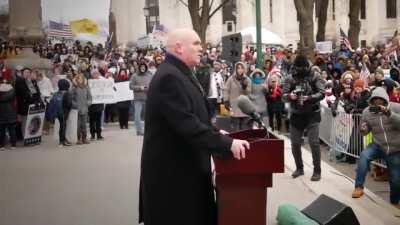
382 119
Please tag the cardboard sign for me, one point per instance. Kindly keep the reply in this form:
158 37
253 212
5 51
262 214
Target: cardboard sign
34 124
102 91
324 47
122 92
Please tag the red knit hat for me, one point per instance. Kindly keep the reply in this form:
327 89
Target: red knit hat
358 83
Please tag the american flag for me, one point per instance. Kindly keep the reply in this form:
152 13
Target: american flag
344 39
59 30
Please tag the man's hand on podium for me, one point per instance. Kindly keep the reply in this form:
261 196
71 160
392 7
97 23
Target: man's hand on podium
239 148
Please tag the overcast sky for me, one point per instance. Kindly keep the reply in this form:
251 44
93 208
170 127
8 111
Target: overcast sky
67 10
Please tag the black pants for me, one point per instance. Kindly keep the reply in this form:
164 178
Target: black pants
296 135
11 131
95 123
213 103
63 126
18 131
278 117
110 113
123 117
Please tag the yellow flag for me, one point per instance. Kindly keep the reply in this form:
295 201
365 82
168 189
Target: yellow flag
84 26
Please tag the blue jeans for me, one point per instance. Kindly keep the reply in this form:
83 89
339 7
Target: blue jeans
374 151
139 105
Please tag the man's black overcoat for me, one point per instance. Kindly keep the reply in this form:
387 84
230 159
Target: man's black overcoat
176 184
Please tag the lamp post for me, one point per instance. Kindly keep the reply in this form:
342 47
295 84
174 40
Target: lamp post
258 28
146 13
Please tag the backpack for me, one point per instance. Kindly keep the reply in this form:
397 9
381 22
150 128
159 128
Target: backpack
55 107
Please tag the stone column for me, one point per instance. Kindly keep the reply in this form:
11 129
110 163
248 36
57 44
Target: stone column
25 24
25 30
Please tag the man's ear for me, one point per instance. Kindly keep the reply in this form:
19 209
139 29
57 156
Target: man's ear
179 48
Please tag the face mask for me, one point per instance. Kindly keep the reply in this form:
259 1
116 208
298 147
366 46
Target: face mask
257 80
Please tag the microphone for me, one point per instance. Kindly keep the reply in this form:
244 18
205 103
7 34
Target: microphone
248 108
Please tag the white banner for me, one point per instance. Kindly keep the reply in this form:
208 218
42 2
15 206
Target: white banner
343 126
102 91
324 47
122 92
34 125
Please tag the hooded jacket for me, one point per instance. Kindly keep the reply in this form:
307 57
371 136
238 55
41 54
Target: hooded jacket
385 129
234 88
140 82
81 96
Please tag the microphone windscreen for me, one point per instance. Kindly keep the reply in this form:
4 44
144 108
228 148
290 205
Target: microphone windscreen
245 105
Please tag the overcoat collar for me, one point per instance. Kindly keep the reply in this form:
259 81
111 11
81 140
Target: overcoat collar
185 70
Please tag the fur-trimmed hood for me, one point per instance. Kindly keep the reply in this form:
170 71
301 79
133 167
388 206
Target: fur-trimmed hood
244 66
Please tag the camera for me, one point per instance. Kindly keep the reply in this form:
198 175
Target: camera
299 91
374 109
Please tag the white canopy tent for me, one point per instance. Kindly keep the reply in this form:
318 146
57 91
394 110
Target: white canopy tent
249 36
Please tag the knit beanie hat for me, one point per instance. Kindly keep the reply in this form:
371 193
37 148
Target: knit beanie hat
358 83
63 85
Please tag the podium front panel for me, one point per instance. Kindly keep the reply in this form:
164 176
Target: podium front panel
264 157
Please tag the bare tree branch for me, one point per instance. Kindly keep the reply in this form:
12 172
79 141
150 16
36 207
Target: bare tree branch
212 2
184 3
218 8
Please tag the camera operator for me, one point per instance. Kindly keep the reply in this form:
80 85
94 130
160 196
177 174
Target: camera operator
382 119
304 90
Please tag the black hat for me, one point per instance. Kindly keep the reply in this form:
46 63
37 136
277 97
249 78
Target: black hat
301 61
63 85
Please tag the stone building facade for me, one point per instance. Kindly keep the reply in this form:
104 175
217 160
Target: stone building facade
379 19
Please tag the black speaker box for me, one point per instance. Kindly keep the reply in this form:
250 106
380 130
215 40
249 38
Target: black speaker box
231 47
328 211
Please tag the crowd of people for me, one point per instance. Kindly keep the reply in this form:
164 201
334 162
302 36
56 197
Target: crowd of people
348 78
66 86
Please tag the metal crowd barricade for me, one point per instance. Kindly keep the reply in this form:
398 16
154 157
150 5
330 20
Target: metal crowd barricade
346 137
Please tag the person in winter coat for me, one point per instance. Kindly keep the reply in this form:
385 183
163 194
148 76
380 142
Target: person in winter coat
139 83
258 89
395 95
380 81
382 119
175 175
304 90
46 90
236 85
81 100
123 107
95 112
357 100
27 91
215 89
63 113
8 114
275 104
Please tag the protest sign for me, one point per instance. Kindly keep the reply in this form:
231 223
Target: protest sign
122 92
34 124
324 47
102 91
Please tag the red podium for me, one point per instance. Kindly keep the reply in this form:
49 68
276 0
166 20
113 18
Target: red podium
242 184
